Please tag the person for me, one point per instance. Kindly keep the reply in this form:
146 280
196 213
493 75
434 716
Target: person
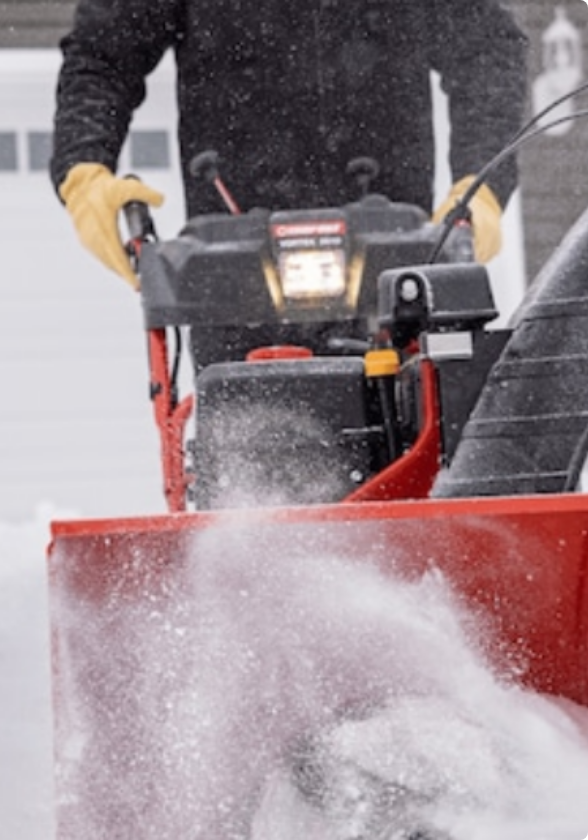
288 93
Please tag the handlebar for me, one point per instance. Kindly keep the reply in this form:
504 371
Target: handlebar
140 226
138 218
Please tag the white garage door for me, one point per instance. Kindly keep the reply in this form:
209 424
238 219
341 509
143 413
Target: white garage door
75 419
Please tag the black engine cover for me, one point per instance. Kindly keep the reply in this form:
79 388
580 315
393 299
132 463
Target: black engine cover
281 432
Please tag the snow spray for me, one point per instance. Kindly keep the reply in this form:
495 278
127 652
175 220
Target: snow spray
186 708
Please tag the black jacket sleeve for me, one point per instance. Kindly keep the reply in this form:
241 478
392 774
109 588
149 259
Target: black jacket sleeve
113 46
480 53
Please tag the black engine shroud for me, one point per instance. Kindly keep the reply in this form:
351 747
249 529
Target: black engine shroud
317 426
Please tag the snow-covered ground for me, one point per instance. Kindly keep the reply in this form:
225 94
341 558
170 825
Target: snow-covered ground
26 768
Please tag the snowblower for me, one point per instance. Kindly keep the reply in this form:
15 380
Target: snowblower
353 413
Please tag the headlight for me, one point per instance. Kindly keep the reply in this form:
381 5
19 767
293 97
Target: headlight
310 269
314 273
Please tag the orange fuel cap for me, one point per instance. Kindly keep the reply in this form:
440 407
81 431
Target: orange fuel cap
385 362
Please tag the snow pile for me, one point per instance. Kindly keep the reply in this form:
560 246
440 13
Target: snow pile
200 701
26 770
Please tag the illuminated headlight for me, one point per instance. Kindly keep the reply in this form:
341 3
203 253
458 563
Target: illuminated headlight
312 273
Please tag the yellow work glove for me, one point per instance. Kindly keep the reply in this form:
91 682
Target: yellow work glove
485 212
94 197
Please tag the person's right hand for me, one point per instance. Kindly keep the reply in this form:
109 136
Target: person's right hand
94 196
486 213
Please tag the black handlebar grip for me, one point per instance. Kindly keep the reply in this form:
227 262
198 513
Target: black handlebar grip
205 165
138 218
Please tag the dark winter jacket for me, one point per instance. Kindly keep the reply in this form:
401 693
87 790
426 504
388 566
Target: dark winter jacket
288 91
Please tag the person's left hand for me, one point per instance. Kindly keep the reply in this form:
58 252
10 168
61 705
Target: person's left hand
486 214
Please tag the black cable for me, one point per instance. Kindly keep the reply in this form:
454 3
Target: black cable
530 123
461 211
512 147
580 453
176 366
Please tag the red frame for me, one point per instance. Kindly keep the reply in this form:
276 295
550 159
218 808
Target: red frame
171 418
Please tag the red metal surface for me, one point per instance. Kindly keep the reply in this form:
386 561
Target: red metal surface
522 559
171 419
519 566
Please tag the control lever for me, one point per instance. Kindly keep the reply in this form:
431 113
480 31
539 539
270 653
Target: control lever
205 165
364 170
140 226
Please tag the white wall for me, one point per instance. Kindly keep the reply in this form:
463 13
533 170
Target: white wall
75 421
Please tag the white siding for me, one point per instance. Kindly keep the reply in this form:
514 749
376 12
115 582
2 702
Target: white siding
75 420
